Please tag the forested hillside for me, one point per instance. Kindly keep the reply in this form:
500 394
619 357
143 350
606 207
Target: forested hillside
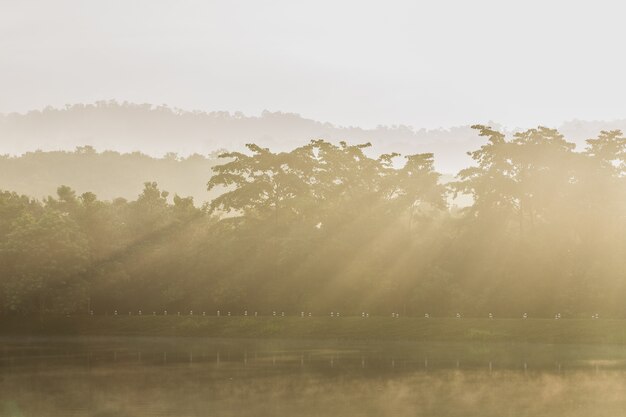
107 174
157 130
325 227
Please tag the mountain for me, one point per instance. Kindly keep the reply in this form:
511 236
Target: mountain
157 130
111 148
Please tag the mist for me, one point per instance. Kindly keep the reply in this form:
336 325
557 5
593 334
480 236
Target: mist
312 208
352 64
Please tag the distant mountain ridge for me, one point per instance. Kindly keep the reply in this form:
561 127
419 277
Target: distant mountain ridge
158 130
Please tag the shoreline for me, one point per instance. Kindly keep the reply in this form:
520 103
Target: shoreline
563 331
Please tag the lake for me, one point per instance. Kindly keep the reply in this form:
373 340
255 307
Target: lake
126 376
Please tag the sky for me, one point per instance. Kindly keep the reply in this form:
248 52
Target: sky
353 62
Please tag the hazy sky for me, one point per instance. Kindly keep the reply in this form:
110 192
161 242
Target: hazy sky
427 64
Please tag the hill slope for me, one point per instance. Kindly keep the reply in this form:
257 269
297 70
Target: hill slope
108 174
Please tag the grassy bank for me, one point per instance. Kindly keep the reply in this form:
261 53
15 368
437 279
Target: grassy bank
348 328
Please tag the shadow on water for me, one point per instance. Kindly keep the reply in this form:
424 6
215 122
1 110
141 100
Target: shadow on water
198 377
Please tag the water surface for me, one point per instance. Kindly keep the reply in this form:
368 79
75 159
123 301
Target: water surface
207 377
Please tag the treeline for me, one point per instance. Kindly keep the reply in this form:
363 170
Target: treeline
126 127
108 174
326 228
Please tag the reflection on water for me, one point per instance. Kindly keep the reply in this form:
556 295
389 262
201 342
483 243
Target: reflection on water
201 377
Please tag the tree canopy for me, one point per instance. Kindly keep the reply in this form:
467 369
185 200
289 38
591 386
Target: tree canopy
329 227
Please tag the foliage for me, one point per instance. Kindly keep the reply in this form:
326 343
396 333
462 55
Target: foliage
326 227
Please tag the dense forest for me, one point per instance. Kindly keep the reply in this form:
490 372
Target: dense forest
325 227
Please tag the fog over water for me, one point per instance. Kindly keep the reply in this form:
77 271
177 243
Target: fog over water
162 377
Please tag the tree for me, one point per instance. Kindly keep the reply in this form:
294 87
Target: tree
490 182
261 185
44 259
